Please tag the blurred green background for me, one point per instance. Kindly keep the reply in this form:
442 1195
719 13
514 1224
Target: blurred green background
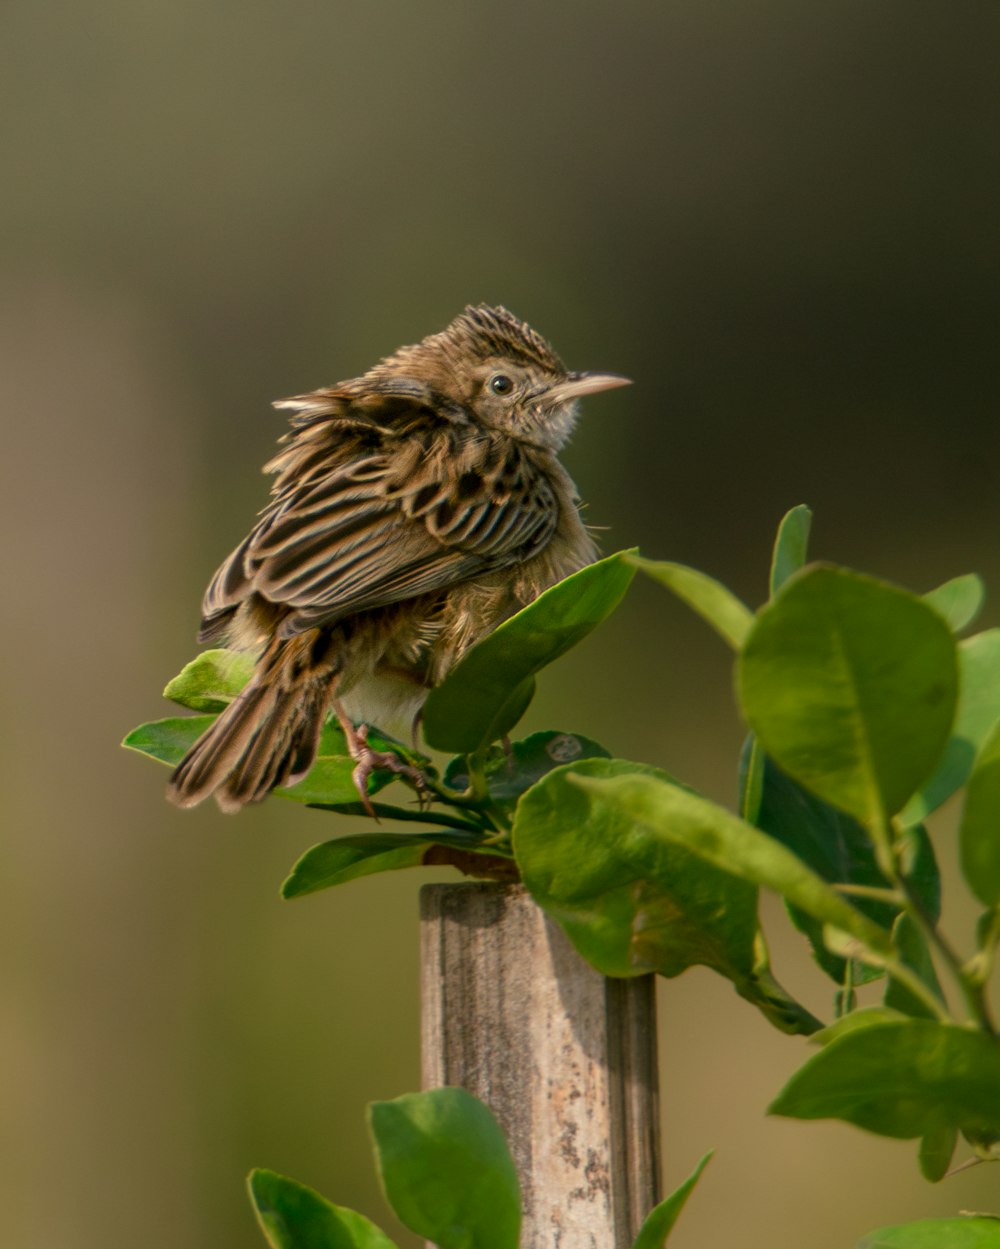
779 218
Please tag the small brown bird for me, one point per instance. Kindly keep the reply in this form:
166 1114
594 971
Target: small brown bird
413 510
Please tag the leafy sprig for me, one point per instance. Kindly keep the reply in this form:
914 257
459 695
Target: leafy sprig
866 710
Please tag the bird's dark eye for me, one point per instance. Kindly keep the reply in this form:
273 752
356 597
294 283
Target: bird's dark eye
500 384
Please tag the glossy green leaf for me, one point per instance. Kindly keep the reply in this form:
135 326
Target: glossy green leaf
407 815
791 545
964 1232
331 777
446 1169
654 814
366 854
979 832
211 680
902 1079
167 741
293 1216
978 711
839 850
789 555
632 901
512 771
717 605
937 1148
488 691
867 1017
348 858
660 1221
751 779
851 685
959 600
629 901
330 780
332 744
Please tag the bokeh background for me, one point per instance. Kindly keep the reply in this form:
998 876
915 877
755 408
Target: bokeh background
779 218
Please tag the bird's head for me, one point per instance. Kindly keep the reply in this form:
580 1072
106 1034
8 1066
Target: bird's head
499 372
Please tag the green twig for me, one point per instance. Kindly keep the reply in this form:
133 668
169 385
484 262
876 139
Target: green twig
876 893
972 992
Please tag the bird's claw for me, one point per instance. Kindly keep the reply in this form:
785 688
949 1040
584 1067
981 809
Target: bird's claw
367 760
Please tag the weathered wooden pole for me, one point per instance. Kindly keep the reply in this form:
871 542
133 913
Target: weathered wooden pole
563 1056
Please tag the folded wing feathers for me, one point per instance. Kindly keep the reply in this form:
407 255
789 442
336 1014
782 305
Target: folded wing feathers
366 530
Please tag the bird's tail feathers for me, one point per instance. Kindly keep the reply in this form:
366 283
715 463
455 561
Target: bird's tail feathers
266 737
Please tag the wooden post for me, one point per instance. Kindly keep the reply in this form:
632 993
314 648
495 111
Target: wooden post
564 1057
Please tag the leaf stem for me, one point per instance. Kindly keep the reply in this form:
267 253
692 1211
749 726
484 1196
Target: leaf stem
898 970
402 814
477 776
875 892
972 991
909 979
475 797
980 967
845 998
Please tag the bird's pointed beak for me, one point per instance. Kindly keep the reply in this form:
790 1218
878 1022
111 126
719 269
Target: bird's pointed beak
574 385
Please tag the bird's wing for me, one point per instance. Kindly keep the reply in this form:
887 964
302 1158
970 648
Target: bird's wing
365 534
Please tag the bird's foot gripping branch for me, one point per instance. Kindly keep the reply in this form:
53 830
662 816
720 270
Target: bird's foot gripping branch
867 707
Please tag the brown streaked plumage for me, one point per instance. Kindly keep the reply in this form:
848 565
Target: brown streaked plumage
413 509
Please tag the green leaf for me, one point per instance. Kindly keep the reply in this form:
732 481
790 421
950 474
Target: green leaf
333 744
632 901
751 779
790 546
488 691
330 780
903 1079
629 901
446 1169
348 858
654 814
407 815
937 1147
850 684
509 773
292 1216
978 711
167 741
211 680
959 600
789 555
979 832
660 1221
867 1017
965 1232
839 850
727 615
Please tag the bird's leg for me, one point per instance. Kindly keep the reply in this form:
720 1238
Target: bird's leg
368 760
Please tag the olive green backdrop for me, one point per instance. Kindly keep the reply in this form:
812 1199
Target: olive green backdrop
779 218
